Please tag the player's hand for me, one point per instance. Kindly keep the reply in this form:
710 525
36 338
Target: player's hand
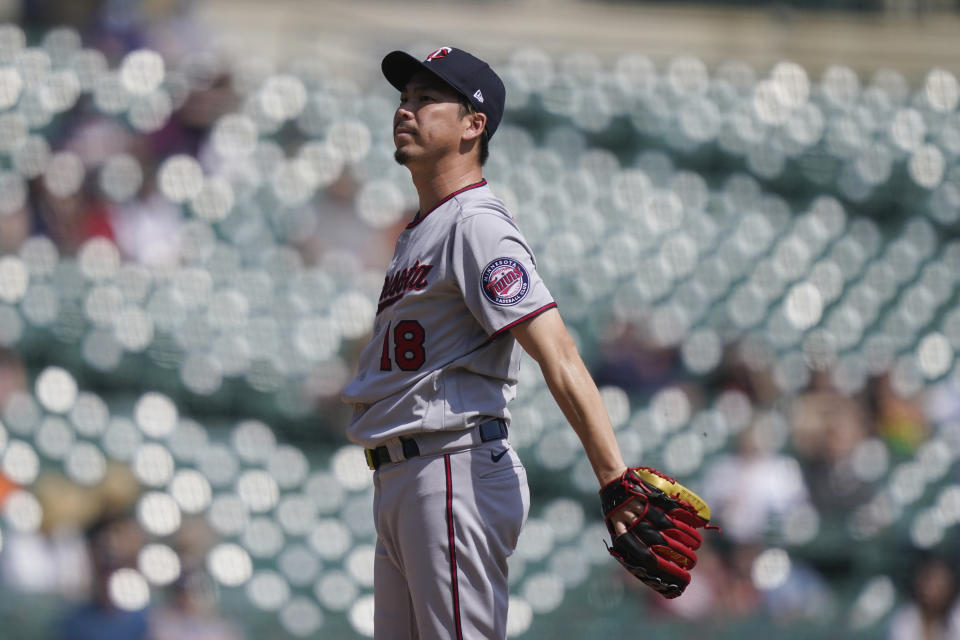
653 522
621 519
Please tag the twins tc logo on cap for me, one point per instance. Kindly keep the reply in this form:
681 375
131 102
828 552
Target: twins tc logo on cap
439 53
505 282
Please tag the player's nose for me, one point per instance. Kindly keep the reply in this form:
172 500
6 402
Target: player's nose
405 110
402 115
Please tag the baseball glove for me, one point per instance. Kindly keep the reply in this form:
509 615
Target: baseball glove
660 546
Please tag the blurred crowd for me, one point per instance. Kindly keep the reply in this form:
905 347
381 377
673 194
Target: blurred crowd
89 534
70 217
780 479
800 465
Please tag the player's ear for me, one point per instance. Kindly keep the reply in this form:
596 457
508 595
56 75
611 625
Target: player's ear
476 123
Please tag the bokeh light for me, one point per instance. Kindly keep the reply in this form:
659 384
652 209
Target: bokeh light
301 617
20 462
299 565
330 538
158 513
159 564
142 71
128 590
361 616
770 569
229 564
14 279
263 538
268 590
153 465
258 489
85 464
336 591
155 414
22 511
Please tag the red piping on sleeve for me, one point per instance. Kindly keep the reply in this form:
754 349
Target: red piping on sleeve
529 316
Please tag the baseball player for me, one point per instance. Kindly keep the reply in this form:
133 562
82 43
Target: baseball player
460 298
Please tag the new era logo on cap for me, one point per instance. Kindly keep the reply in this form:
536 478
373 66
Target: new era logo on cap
478 96
439 53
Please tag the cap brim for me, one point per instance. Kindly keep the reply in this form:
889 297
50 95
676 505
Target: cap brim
398 67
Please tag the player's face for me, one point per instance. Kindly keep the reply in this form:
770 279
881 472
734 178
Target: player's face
428 123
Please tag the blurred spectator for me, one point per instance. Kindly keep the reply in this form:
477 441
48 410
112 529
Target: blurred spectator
631 360
745 367
211 96
704 597
71 220
53 559
113 544
13 375
900 421
740 597
57 559
148 230
826 428
802 595
731 583
933 612
338 230
14 229
751 489
191 612
31 562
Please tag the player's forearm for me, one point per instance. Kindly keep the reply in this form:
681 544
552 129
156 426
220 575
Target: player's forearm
577 396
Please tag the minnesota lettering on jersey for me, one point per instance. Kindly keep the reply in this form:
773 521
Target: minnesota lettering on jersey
397 284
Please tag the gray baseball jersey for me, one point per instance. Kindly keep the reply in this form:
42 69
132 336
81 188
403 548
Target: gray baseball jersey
442 357
441 361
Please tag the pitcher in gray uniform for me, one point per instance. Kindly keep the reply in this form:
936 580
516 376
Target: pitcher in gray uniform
460 298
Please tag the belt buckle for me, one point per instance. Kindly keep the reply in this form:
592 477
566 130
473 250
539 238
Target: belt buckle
368 454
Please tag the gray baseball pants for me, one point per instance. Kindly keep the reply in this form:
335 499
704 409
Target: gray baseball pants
446 523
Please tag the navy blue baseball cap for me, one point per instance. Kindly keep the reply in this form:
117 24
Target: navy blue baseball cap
468 75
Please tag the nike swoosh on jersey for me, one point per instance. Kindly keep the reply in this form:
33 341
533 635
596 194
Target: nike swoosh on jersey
496 456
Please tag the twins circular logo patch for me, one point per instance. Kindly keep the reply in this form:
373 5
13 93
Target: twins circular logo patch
505 282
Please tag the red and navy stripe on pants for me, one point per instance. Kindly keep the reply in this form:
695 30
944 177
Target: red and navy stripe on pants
453 549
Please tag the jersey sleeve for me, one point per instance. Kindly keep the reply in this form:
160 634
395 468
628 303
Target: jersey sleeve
497 273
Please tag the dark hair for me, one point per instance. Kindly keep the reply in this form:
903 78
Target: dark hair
466 108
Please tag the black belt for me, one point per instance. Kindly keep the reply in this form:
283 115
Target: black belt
491 430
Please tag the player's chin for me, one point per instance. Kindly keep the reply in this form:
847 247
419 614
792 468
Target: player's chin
402 156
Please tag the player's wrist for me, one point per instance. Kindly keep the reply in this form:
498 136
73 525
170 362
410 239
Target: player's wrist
606 476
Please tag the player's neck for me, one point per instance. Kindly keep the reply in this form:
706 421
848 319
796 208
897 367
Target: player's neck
435 183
